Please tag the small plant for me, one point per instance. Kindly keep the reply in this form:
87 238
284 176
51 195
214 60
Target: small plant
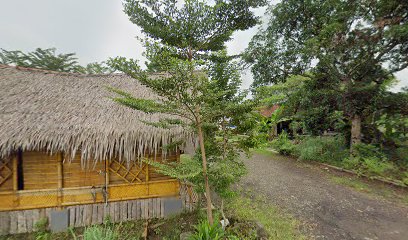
283 144
100 233
41 228
205 231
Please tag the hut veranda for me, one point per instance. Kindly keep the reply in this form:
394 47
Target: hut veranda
70 154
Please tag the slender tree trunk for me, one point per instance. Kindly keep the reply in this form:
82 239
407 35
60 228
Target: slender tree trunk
225 139
204 158
355 130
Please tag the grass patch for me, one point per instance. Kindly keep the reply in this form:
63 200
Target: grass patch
384 191
353 183
278 225
160 229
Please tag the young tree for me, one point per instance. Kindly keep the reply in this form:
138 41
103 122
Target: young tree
355 45
182 37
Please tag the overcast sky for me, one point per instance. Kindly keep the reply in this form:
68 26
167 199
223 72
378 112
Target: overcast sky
94 29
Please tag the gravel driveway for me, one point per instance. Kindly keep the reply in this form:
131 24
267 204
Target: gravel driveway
330 211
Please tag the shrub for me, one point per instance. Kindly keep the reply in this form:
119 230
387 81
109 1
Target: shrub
205 231
322 149
369 159
283 144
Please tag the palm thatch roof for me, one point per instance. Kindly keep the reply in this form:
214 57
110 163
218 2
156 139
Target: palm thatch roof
53 111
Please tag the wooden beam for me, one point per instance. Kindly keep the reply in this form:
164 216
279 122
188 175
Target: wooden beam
107 173
147 172
15 172
60 157
106 181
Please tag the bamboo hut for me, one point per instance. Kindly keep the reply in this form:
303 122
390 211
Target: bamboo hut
69 152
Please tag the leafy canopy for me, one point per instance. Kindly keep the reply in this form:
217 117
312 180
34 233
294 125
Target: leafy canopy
48 59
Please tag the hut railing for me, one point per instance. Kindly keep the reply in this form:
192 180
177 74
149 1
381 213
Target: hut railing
31 199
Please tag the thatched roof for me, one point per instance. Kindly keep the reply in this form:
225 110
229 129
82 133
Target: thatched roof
53 111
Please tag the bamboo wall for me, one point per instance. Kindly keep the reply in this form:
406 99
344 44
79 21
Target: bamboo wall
12 222
39 180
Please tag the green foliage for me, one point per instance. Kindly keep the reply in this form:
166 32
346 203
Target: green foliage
48 59
200 84
405 178
283 144
41 229
195 24
351 51
322 149
247 208
205 231
100 233
369 159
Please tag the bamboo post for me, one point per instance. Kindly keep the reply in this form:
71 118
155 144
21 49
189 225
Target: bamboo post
15 173
147 177
16 200
106 181
147 172
60 178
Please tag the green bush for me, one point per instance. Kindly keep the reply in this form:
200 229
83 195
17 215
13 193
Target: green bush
283 144
205 231
369 159
323 149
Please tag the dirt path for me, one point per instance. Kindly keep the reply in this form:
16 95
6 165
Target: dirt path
331 211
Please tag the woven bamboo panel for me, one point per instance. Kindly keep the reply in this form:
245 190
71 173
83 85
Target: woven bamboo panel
6 173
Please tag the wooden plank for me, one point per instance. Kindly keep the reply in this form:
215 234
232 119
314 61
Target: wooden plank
129 210
60 178
21 222
101 210
162 207
148 206
71 213
36 217
153 205
78 216
94 219
88 214
124 211
142 209
117 211
5 223
29 220
13 222
112 211
134 210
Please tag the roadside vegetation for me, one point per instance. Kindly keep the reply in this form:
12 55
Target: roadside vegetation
366 159
250 217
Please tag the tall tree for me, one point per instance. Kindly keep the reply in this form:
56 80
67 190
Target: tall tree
48 59
356 45
185 35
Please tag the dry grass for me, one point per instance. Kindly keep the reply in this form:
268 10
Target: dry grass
43 110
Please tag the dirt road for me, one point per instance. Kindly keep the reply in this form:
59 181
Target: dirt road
329 210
